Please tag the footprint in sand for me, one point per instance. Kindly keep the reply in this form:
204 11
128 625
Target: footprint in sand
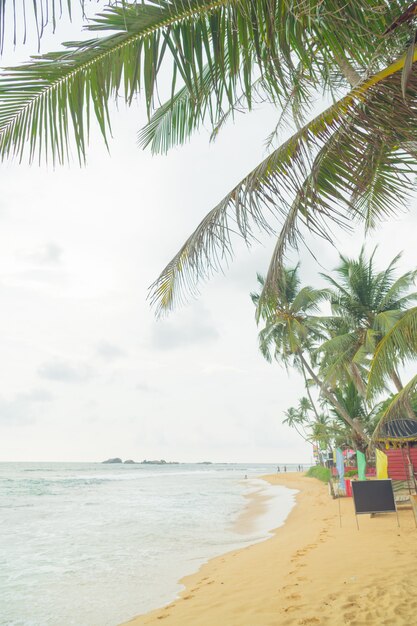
309 620
349 616
293 596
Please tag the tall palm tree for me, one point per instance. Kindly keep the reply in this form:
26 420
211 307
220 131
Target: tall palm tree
292 328
296 419
366 304
311 426
356 160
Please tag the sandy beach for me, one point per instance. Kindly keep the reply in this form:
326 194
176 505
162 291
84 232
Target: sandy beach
312 571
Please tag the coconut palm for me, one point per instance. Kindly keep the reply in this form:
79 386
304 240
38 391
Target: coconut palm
354 161
311 426
355 405
398 345
366 304
296 419
292 328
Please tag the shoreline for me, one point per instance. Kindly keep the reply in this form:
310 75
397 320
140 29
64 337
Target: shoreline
311 571
258 514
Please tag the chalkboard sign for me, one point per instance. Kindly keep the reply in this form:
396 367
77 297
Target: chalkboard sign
373 496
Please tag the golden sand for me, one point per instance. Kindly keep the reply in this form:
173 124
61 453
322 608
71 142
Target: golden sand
312 571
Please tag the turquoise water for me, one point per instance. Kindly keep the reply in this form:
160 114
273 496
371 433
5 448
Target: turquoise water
88 544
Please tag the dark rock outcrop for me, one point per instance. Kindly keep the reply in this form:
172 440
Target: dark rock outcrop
115 460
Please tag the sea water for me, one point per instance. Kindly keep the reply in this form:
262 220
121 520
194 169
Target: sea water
89 544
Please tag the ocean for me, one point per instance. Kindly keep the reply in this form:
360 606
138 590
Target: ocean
89 544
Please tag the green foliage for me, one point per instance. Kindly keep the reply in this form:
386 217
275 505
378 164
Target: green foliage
367 304
355 161
289 317
350 356
398 345
319 472
317 177
350 473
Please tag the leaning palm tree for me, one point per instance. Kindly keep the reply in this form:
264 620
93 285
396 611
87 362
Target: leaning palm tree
355 405
354 161
292 327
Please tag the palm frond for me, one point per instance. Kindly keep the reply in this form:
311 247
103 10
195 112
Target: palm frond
174 122
42 101
303 189
234 38
397 409
17 18
398 345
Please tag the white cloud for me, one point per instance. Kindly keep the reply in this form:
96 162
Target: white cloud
109 351
49 254
23 407
64 372
193 326
91 240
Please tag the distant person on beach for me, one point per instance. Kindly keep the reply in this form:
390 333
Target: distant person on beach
278 469
285 468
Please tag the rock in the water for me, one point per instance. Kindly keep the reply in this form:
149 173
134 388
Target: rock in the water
115 460
130 462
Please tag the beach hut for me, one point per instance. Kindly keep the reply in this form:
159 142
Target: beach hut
398 439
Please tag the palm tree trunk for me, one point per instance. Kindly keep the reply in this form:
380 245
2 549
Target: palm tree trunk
308 392
396 380
353 423
301 434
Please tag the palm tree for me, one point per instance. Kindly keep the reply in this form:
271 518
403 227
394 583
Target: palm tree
311 427
292 328
366 304
354 161
296 419
355 405
397 346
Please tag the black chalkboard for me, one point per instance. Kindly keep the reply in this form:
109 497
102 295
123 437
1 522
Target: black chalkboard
373 496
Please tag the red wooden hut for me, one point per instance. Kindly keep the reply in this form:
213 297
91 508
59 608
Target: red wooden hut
398 439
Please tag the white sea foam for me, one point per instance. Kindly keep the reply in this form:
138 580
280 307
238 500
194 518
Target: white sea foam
94 545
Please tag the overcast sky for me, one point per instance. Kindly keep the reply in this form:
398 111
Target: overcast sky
87 372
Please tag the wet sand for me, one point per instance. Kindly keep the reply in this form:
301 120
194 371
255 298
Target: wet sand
312 571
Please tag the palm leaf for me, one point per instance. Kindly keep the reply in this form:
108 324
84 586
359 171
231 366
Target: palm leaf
397 409
42 101
16 17
325 161
398 345
174 122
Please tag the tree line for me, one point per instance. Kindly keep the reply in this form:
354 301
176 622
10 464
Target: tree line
349 358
